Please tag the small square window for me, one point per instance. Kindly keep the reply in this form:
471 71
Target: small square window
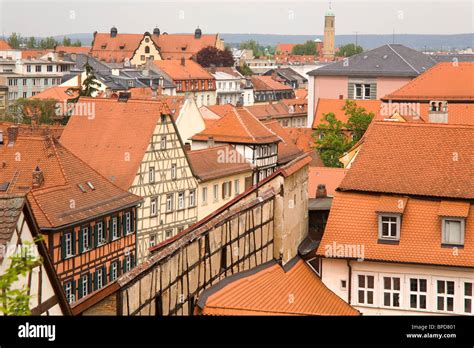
453 231
389 226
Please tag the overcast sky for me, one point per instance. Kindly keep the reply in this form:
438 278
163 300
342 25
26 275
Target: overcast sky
44 18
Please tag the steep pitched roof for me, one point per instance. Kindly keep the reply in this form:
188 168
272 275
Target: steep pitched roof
238 126
415 158
420 237
173 46
66 180
335 106
270 289
444 81
218 110
386 60
59 93
11 206
287 150
73 49
267 83
118 129
217 162
4 45
331 177
189 71
274 110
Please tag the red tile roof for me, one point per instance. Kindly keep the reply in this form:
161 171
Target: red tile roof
444 81
303 139
118 130
266 83
274 110
301 93
58 93
415 158
335 106
59 200
284 48
73 49
217 162
238 126
287 150
220 110
171 46
178 72
271 290
331 177
4 45
420 236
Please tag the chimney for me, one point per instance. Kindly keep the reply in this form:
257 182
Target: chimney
12 133
210 142
161 81
154 92
123 97
1 137
113 32
321 191
115 72
183 61
38 177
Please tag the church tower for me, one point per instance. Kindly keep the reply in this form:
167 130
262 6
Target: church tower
329 27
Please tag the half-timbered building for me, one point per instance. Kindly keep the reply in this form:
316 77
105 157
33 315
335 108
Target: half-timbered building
89 223
19 235
136 145
253 140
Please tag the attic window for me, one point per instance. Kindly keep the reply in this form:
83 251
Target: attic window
453 231
83 190
103 46
4 186
90 185
122 46
389 227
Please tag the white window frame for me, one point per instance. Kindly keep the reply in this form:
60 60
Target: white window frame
100 233
114 228
467 297
100 279
173 171
128 223
445 295
181 200
192 198
397 223
68 244
86 237
152 240
153 206
68 292
418 293
128 263
444 220
365 289
204 195
237 186
114 273
391 291
85 285
169 202
151 174
215 192
163 142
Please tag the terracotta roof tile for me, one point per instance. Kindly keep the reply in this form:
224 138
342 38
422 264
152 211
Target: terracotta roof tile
287 150
238 126
454 209
266 83
331 177
58 93
418 159
4 45
217 162
420 234
270 290
63 173
391 204
189 71
118 129
73 49
444 81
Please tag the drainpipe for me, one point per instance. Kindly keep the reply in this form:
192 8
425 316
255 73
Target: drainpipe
349 281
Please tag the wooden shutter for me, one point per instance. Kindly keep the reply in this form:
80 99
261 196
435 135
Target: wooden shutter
110 228
63 247
118 267
373 91
124 266
73 290
73 242
81 240
133 217
104 275
230 188
95 280
79 287
89 282
96 236
350 90
124 224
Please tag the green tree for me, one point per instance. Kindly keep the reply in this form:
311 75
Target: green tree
253 45
245 70
15 40
47 43
43 110
77 43
358 120
349 50
212 56
13 300
66 41
308 48
31 42
331 140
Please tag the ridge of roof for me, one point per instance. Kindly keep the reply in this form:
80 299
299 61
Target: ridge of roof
398 54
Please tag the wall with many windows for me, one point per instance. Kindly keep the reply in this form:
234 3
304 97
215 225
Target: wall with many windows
378 288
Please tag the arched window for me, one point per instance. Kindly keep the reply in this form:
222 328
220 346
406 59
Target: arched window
147 49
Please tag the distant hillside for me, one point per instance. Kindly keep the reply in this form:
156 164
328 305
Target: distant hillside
416 41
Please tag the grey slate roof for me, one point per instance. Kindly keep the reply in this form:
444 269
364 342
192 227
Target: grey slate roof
10 209
387 60
454 57
287 73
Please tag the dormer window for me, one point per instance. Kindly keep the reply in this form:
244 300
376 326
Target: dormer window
389 226
453 231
